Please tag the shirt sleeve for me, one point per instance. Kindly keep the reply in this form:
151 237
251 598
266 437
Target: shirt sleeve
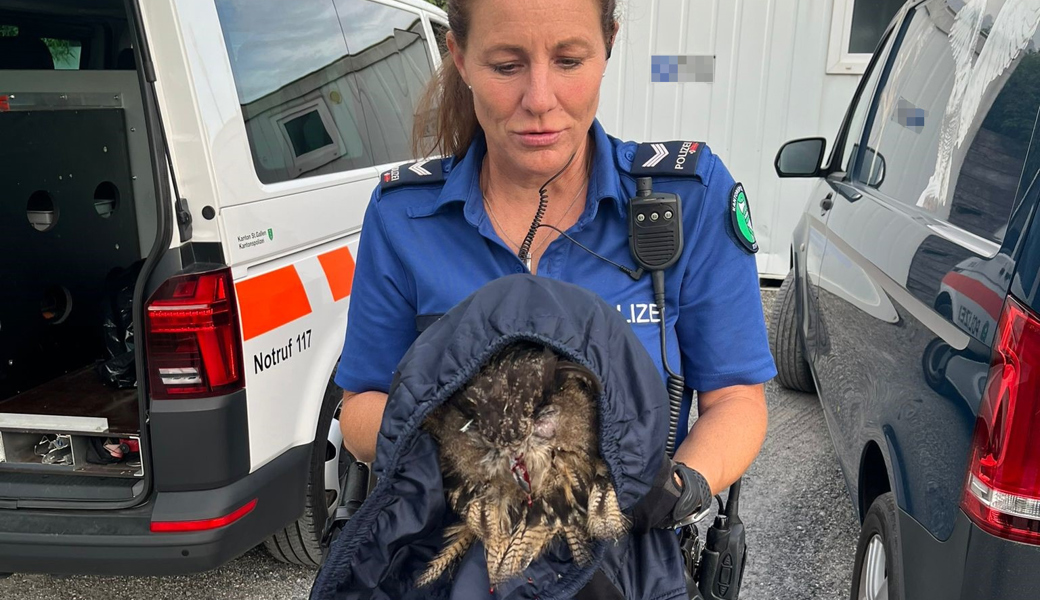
381 317
721 327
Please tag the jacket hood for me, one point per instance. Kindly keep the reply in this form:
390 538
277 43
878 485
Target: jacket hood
388 542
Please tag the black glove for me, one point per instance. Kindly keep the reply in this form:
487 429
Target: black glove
667 503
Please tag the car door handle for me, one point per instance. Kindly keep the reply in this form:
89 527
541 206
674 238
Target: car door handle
827 203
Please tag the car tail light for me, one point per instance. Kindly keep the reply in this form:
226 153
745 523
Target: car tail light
1002 492
193 343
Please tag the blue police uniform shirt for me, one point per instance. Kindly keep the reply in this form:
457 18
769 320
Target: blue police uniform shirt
426 247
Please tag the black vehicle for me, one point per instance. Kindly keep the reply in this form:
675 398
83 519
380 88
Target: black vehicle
912 305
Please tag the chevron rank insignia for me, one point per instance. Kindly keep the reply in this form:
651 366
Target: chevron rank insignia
419 172
666 158
740 218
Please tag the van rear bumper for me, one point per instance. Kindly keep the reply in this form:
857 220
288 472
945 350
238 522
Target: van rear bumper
121 542
970 564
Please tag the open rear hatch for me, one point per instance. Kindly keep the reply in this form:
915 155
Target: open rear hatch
78 216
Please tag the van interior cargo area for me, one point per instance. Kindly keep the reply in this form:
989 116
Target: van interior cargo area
52 427
69 228
77 216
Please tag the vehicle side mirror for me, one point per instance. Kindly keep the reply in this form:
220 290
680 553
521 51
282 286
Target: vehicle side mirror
800 158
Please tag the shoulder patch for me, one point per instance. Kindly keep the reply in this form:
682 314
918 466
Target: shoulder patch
415 173
740 219
675 159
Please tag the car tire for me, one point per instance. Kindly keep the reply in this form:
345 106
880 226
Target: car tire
788 351
878 571
301 543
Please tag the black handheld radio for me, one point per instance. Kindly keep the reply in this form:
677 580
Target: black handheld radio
655 233
721 563
655 237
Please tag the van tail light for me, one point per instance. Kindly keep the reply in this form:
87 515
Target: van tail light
193 344
1002 491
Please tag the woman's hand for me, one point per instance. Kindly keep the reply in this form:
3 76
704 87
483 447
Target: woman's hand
671 498
359 420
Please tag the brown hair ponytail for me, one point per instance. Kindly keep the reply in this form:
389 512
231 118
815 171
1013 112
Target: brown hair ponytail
446 113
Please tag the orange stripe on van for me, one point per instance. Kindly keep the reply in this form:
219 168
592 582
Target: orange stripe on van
271 300
339 270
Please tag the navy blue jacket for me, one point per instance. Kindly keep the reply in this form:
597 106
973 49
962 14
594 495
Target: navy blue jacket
398 529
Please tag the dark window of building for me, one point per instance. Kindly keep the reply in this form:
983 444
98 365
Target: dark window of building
870 18
307 133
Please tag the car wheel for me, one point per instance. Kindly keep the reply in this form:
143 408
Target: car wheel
788 351
878 571
301 543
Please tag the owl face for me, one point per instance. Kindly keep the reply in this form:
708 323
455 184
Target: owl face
508 395
510 410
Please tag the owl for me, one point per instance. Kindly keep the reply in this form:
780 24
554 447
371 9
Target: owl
519 456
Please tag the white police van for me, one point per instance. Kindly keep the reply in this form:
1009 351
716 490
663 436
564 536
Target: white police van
182 185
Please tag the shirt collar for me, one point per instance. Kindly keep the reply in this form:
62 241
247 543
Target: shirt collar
606 179
463 181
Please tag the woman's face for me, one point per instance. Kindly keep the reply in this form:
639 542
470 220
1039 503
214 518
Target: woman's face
535 67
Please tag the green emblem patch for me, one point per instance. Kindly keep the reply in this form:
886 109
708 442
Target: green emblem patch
270 234
740 217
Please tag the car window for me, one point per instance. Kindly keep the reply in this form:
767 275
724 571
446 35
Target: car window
440 33
861 105
392 63
295 87
953 134
65 54
334 92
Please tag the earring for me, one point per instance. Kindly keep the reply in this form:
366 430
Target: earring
470 87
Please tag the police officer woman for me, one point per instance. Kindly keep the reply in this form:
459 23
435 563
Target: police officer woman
515 106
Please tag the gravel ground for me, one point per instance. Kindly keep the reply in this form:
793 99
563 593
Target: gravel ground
801 530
